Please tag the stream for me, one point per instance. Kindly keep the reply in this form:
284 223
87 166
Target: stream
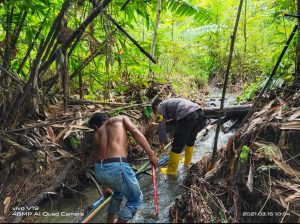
168 187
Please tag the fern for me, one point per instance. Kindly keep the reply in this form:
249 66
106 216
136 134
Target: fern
199 31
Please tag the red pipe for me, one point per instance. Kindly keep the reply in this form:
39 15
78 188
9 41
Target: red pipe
154 189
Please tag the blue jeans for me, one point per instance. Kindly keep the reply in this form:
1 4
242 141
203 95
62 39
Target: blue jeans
120 178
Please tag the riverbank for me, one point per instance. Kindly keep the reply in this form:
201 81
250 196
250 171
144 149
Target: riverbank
48 158
61 182
256 176
168 188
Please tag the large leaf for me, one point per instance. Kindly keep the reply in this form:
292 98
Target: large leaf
185 9
148 111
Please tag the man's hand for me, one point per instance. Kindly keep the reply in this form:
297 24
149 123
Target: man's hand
153 160
154 124
107 191
161 147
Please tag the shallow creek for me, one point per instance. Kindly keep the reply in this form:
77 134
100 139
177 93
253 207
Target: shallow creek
168 187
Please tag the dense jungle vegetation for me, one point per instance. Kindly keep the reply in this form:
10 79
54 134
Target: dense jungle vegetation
61 60
189 41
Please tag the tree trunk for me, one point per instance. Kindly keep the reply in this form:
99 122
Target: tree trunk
8 36
23 100
221 113
66 80
297 73
152 51
245 28
81 94
62 69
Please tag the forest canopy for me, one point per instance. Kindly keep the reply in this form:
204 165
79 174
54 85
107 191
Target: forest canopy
189 40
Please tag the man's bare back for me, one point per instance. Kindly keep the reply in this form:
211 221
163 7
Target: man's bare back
111 139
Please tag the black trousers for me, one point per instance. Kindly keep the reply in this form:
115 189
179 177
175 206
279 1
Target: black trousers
187 129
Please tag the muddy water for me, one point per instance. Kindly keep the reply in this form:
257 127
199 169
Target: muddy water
168 187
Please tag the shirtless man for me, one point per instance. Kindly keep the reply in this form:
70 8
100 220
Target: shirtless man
112 169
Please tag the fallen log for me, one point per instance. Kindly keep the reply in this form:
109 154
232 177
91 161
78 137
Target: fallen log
232 112
17 146
88 102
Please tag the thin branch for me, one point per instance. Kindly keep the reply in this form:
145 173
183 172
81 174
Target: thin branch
125 4
18 30
131 38
89 173
12 76
272 73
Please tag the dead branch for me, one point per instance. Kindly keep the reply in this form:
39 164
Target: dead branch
89 174
87 102
12 76
71 119
18 147
130 115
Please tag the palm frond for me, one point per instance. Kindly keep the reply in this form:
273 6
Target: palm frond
183 8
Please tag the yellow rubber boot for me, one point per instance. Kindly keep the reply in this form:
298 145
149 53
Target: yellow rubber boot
188 154
172 165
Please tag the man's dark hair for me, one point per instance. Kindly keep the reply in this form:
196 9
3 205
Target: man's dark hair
155 103
97 119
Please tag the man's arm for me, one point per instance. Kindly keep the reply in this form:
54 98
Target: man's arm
140 138
162 129
162 132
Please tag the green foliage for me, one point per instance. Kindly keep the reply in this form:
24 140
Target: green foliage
268 151
192 43
148 111
74 143
185 9
243 159
244 154
249 92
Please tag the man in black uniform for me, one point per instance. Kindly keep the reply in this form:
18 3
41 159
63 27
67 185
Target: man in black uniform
190 120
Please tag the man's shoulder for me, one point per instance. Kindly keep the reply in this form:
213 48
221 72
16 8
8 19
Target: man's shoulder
119 118
115 118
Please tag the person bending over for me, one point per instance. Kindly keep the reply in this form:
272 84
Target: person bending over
112 169
189 119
